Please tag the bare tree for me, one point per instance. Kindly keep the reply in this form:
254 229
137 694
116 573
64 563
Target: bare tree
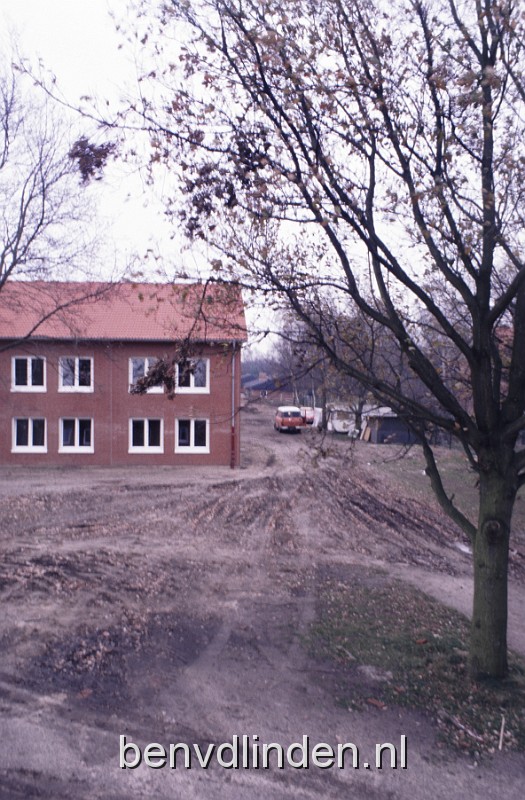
355 155
47 219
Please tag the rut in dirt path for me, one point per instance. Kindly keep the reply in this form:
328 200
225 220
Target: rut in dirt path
325 510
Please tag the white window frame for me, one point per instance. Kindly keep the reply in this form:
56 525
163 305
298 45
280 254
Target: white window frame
28 448
192 389
76 378
146 448
28 387
148 363
76 448
191 448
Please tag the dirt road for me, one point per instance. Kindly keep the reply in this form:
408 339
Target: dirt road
171 606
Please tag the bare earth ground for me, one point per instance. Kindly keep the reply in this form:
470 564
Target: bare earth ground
170 605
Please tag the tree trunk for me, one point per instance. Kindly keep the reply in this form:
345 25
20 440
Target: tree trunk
359 417
324 415
488 643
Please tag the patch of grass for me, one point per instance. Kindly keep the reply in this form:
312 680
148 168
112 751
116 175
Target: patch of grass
420 648
406 469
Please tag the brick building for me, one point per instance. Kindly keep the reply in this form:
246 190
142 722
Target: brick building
70 354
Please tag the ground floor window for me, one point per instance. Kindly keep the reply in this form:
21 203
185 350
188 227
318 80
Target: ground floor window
192 436
29 435
76 434
146 436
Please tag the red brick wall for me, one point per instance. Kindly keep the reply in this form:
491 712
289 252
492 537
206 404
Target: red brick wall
111 406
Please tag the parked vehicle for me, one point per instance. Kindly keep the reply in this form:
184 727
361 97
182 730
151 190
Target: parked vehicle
340 420
288 418
307 413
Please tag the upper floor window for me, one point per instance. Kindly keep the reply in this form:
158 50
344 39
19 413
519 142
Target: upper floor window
75 374
76 435
193 375
139 368
28 374
29 435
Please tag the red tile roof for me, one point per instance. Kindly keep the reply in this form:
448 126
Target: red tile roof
201 312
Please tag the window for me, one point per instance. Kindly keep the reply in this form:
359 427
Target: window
138 368
28 374
76 435
193 375
75 374
146 436
192 436
29 435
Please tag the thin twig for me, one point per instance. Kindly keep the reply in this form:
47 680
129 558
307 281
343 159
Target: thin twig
501 731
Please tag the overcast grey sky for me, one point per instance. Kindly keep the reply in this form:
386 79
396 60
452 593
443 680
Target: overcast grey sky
76 39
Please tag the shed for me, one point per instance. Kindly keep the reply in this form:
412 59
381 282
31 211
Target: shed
384 426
